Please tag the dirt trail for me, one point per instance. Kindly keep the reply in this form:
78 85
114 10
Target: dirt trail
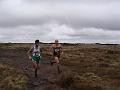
47 75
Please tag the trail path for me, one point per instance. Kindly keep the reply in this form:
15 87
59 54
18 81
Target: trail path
47 75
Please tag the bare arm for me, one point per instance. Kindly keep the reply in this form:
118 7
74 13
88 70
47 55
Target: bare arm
41 51
51 49
29 53
61 49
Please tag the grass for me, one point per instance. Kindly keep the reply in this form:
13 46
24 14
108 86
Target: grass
87 67
12 79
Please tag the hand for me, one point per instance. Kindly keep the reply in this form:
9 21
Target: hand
50 53
30 57
61 53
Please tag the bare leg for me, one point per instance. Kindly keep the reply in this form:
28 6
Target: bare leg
58 64
53 62
36 72
38 65
35 67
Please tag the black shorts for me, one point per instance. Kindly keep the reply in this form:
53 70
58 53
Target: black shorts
55 55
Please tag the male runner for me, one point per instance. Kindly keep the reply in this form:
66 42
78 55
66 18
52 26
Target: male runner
56 50
35 54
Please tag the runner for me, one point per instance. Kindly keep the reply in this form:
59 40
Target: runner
56 50
35 54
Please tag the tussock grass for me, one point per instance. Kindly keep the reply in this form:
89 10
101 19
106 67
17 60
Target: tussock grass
12 79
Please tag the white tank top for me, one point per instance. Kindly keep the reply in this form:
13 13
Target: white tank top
36 51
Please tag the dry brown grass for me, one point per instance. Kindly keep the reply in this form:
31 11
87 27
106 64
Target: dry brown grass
51 87
12 79
87 66
87 81
93 67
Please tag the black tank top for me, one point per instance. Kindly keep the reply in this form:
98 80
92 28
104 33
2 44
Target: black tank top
56 50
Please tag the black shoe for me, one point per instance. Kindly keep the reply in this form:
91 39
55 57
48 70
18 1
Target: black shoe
51 63
59 71
35 75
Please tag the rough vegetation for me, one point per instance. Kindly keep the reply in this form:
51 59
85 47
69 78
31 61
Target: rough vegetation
85 67
12 79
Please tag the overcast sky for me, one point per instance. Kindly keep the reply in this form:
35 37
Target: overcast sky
90 21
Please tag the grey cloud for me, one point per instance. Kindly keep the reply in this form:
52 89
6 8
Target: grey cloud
67 20
50 31
76 14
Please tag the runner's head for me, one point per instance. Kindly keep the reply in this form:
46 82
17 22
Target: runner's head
56 41
36 42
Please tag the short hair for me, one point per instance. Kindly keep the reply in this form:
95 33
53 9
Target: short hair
56 40
37 41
